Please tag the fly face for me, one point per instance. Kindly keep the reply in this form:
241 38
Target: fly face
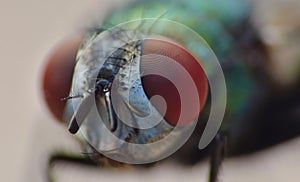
113 111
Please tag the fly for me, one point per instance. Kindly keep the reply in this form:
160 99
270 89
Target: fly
107 74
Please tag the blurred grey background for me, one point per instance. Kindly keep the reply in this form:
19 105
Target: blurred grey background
30 28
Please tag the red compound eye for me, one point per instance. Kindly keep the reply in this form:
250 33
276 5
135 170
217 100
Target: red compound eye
160 85
57 75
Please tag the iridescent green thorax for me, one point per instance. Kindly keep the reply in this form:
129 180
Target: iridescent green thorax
216 21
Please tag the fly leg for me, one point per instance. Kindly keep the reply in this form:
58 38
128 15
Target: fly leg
217 156
61 158
89 158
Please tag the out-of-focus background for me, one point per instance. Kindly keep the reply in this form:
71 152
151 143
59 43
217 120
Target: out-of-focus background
29 29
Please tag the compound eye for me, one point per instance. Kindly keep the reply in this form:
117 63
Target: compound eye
57 75
166 84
